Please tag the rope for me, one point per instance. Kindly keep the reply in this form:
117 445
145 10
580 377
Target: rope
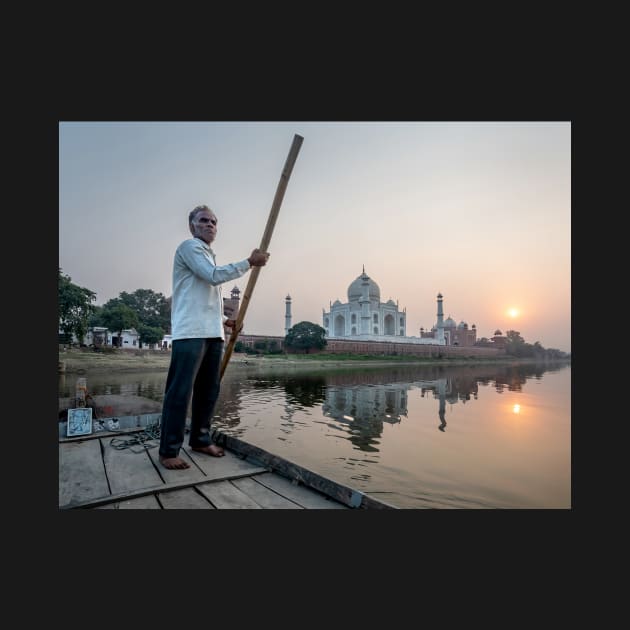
151 432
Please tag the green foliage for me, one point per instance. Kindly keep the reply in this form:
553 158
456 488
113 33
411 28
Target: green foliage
152 308
263 346
305 336
96 318
149 334
75 307
517 347
117 316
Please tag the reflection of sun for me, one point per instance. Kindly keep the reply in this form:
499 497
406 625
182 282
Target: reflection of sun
516 408
512 312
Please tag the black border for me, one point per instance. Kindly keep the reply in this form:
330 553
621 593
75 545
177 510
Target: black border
385 537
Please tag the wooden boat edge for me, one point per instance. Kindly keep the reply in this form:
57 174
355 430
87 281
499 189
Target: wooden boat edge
298 474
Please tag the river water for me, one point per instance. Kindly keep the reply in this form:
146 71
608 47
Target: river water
414 436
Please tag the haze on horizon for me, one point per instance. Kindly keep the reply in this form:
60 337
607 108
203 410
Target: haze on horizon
477 211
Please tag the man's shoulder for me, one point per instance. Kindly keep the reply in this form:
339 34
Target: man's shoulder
190 243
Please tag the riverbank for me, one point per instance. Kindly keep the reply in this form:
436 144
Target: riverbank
75 361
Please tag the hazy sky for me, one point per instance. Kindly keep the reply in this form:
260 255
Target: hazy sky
477 211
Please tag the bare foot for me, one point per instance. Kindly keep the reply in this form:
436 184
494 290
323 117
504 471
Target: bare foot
173 463
215 451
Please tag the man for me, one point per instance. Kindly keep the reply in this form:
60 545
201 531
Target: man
197 346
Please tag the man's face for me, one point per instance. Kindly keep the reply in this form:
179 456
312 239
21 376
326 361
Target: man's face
204 226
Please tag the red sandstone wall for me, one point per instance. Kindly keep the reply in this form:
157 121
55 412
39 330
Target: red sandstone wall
340 346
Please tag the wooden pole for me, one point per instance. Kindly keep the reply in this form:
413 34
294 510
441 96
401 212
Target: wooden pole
264 245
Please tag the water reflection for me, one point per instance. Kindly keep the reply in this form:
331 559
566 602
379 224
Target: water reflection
361 402
362 410
426 435
145 384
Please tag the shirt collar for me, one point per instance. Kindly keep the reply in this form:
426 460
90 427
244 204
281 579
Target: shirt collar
205 245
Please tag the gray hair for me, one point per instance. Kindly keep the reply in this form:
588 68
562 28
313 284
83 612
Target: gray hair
195 211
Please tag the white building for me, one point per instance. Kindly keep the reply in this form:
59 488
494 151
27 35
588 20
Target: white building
365 318
98 336
101 336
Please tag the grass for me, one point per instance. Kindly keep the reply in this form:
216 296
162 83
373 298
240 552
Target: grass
81 360
401 358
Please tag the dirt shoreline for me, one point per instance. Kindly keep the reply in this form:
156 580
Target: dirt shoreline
80 361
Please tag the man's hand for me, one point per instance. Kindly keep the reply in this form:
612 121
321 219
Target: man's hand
231 323
258 258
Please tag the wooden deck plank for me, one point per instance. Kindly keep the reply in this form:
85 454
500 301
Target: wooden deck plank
141 503
306 497
128 470
221 467
344 494
93 474
266 498
226 496
81 472
186 499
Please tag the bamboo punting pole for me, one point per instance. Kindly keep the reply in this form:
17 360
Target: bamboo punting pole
264 245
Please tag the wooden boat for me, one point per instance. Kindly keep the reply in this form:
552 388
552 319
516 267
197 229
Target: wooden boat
120 470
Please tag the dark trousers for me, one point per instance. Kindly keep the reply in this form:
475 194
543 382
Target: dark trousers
194 371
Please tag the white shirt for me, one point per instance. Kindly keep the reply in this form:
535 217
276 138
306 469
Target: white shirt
197 303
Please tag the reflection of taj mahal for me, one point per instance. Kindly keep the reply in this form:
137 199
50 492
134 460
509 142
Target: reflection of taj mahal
365 408
383 403
364 317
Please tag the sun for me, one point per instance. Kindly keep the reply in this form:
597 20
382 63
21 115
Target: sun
513 312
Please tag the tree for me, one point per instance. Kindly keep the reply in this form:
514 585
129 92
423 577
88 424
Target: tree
75 307
306 390
149 334
305 336
95 318
116 316
515 344
152 308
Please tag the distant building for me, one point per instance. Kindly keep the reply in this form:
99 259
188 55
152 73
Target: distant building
499 340
101 336
98 336
128 338
230 308
453 334
364 316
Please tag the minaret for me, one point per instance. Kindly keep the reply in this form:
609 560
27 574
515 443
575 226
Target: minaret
364 303
440 320
441 389
287 315
231 307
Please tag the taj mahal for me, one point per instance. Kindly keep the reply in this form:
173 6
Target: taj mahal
365 318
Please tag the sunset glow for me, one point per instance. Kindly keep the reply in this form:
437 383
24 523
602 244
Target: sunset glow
390 197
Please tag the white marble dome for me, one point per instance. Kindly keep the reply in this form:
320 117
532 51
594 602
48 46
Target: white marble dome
355 290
